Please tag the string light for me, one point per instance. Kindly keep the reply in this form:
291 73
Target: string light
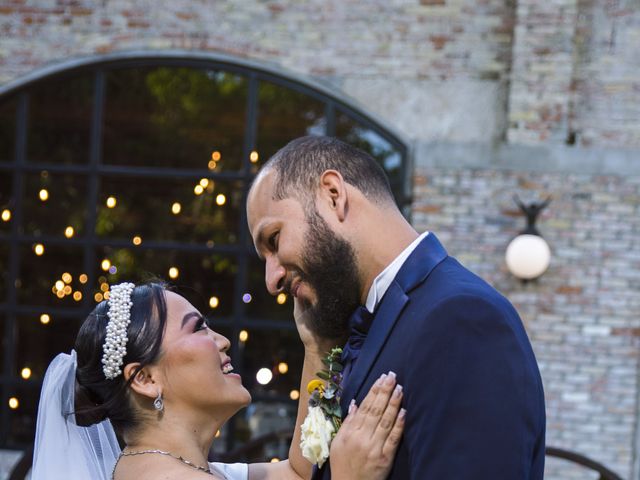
60 294
246 298
113 269
294 394
173 272
45 319
198 189
244 336
283 367
253 157
137 240
215 156
77 296
214 302
13 403
6 215
105 264
59 285
98 297
83 278
69 231
204 182
25 373
38 249
111 202
281 298
176 208
264 376
44 195
66 278
212 164
275 460
67 290
106 295
104 287
221 199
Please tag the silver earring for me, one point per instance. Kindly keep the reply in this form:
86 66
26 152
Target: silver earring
158 404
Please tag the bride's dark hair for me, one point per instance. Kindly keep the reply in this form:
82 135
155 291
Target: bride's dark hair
97 398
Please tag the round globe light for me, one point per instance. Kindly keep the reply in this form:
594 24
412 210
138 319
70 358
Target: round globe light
528 256
264 376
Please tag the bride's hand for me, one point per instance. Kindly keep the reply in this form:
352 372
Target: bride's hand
366 444
311 341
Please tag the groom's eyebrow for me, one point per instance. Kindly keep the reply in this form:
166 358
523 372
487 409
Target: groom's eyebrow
188 317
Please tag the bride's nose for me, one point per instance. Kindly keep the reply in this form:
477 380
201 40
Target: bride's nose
223 342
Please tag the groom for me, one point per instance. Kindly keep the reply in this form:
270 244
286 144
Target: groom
323 218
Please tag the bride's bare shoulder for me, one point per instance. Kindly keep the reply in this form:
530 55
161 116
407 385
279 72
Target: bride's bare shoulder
158 469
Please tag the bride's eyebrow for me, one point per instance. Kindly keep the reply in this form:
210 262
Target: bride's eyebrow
188 317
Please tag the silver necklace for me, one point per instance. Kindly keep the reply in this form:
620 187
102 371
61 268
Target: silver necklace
159 452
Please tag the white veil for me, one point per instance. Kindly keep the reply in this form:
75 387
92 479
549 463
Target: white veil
64 450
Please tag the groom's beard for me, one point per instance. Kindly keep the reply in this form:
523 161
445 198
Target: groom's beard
329 265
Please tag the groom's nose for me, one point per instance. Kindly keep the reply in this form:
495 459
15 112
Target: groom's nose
275 275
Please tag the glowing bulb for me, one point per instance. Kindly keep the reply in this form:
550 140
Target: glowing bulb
221 199
137 240
105 264
212 165
69 231
44 195
214 302
45 319
244 336
264 376
275 460
13 403
198 189
25 373
106 295
98 297
83 278
77 296
246 298
215 156
59 285
60 294
218 434
173 272
111 202
38 249
281 298
66 278
6 215
104 287
176 208
294 394
283 367
253 157
67 290
204 182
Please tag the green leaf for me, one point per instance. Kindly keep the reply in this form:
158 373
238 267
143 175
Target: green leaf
324 375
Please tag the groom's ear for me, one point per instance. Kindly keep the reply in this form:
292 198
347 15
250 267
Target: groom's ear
333 193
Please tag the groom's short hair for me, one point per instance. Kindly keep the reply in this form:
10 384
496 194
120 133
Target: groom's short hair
301 162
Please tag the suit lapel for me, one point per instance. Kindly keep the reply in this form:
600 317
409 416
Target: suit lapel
426 256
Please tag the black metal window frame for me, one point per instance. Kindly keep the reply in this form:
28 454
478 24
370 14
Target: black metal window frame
95 169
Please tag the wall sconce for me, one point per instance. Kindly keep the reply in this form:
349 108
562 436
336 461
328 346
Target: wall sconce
528 255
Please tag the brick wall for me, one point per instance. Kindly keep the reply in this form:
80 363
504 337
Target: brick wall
458 78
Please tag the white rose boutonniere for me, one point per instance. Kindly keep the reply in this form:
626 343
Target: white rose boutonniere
325 415
317 433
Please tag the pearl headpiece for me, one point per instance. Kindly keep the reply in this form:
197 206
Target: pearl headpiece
115 344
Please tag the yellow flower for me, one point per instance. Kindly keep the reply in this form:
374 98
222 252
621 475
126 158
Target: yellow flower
315 385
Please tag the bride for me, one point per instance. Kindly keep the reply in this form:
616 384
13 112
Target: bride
146 365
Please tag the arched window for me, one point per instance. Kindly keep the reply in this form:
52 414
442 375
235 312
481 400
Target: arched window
126 168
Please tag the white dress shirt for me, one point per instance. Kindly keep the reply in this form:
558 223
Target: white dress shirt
383 280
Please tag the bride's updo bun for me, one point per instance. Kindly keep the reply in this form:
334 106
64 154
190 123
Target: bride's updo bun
97 398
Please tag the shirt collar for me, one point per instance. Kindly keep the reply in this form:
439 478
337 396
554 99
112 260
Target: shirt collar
382 282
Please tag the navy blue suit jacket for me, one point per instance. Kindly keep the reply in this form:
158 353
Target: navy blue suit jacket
472 388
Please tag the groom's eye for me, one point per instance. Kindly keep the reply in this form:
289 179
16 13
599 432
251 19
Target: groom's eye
273 241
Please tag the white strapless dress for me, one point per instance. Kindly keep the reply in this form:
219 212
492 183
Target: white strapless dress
230 471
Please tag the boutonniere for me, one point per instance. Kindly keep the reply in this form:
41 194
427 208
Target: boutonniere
325 415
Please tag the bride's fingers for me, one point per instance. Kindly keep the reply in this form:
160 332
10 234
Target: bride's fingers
388 418
395 435
366 404
375 410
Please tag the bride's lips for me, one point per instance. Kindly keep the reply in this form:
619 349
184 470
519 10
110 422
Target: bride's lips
227 368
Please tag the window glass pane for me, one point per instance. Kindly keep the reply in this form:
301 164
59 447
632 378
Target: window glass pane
170 210
38 343
4 272
54 202
60 120
22 418
350 131
269 421
4 340
7 129
201 276
174 117
6 201
263 304
42 279
284 114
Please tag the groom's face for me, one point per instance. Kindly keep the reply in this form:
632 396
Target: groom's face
305 258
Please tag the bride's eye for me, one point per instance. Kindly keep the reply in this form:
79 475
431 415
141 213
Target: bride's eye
200 325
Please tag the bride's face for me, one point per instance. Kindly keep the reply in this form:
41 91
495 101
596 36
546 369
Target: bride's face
194 364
